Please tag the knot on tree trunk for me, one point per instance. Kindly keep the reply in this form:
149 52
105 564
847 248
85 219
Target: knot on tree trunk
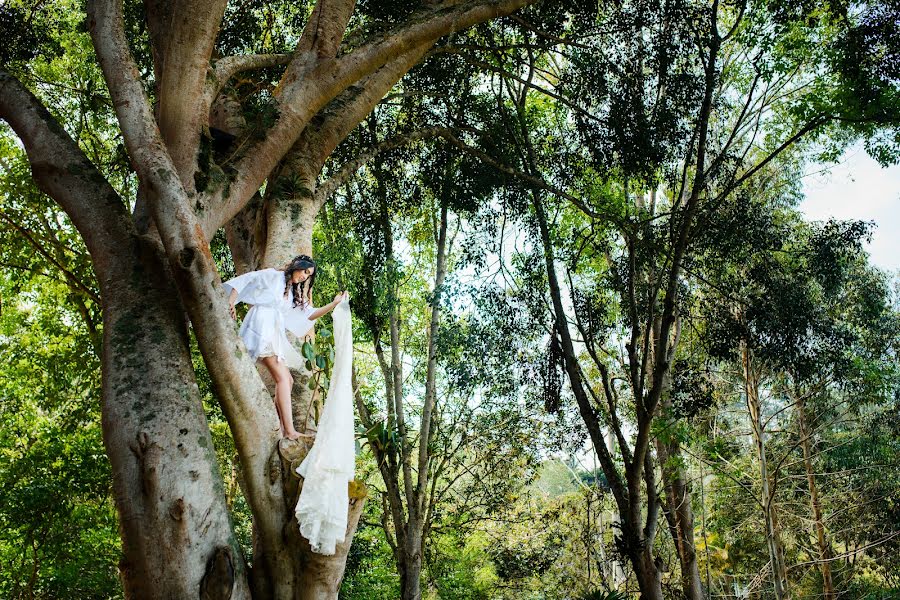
218 581
176 510
186 257
147 454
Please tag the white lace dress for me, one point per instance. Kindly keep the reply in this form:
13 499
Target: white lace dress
322 507
271 316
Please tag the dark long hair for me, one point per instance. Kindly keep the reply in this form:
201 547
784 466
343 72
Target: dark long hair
302 291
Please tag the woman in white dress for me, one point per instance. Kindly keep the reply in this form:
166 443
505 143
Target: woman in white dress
281 301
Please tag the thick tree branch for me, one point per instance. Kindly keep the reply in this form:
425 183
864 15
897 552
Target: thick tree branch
324 31
229 66
319 139
301 98
189 29
63 172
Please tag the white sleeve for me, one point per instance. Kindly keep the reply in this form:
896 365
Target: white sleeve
245 285
297 321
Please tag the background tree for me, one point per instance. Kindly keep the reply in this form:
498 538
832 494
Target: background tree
699 101
444 425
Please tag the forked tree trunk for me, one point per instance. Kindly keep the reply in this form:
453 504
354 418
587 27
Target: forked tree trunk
310 576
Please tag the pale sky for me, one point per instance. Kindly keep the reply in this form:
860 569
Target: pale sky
858 188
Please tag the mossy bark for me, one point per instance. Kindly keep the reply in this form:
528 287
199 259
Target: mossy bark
176 532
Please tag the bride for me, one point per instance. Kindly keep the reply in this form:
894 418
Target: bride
282 301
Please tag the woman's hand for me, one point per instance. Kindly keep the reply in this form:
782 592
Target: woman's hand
232 298
339 297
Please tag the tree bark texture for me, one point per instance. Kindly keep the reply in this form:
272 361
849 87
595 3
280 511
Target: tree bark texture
678 498
168 491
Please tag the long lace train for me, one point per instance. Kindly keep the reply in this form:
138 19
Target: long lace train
322 507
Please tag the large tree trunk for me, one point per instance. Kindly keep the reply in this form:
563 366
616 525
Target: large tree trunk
288 229
821 537
176 531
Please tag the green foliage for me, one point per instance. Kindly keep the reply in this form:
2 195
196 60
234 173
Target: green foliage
58 527
28 32
456 567
692 391
370 571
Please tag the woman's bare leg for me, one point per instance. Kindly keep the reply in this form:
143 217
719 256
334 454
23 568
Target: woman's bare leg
283 384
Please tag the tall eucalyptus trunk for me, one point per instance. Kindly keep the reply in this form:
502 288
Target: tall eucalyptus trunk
825 554
767 500
678 504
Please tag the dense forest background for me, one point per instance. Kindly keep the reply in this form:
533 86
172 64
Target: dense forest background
585 302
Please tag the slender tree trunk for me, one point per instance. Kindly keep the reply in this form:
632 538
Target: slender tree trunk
635 541
411 574
821 537
773 537
678 498
678 495
617 568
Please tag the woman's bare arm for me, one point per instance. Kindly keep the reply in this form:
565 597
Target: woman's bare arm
324 310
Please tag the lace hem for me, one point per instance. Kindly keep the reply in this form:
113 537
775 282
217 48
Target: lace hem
322 512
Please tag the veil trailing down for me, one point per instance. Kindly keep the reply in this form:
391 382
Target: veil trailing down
322 507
